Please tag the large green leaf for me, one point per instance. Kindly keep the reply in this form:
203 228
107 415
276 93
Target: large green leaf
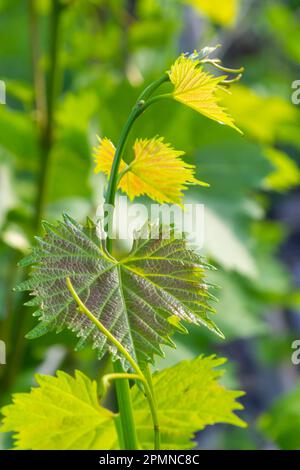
63 413
140 299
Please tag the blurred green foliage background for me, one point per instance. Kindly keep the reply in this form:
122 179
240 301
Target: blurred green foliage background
96 56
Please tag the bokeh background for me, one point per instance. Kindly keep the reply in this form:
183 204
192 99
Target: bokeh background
96 56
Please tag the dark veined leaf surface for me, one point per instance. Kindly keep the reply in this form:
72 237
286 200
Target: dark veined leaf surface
140 300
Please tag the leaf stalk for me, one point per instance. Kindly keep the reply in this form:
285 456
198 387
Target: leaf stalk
123 391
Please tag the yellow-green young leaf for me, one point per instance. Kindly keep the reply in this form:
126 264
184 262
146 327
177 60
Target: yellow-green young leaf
63 413
199 89
221 12
157 170
286 173
189 397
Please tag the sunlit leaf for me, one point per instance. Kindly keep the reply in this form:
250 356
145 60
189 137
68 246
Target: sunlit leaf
223 13
63 413
199 89
157 170
189 398
133 298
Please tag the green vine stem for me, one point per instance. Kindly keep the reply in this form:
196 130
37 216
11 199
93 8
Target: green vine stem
111 189
137 110
140 106
122 386
129 432
149 90
156 98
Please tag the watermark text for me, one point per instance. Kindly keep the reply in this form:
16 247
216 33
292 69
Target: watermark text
296 92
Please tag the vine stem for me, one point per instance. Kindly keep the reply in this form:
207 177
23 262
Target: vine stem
147 92
122 386
157 98
130 438
137 110
127 430
45 103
